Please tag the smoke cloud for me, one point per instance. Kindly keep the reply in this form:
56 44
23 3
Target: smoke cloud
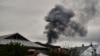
85 10
60 21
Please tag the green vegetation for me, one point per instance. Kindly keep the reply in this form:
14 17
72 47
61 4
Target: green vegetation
13 49
52 53
74 52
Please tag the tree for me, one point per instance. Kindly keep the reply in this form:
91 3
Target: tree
74 52
58 53
13 49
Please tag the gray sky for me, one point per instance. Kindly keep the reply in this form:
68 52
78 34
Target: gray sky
27 18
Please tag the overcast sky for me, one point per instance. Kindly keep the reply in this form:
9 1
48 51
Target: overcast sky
27 18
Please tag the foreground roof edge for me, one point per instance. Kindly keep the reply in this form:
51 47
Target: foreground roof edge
8 35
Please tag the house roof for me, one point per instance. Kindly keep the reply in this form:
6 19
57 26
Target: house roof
47 45
25 43
17 35
5 36
82 49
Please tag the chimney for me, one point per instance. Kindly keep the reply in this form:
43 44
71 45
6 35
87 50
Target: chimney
82 45
91 44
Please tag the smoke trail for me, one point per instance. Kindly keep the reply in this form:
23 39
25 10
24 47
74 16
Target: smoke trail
59 21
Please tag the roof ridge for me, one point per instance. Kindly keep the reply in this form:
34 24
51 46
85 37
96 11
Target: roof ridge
7 35
10 34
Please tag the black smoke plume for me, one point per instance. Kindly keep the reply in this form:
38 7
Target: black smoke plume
59 22
85 10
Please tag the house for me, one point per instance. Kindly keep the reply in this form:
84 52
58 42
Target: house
77 51
55 49
16 37
91 50
50 47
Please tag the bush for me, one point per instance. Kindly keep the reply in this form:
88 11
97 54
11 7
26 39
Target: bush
13 49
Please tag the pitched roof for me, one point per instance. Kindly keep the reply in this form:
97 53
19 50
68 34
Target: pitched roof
16 37
5 36
25 43
9 36
82 49
47 45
